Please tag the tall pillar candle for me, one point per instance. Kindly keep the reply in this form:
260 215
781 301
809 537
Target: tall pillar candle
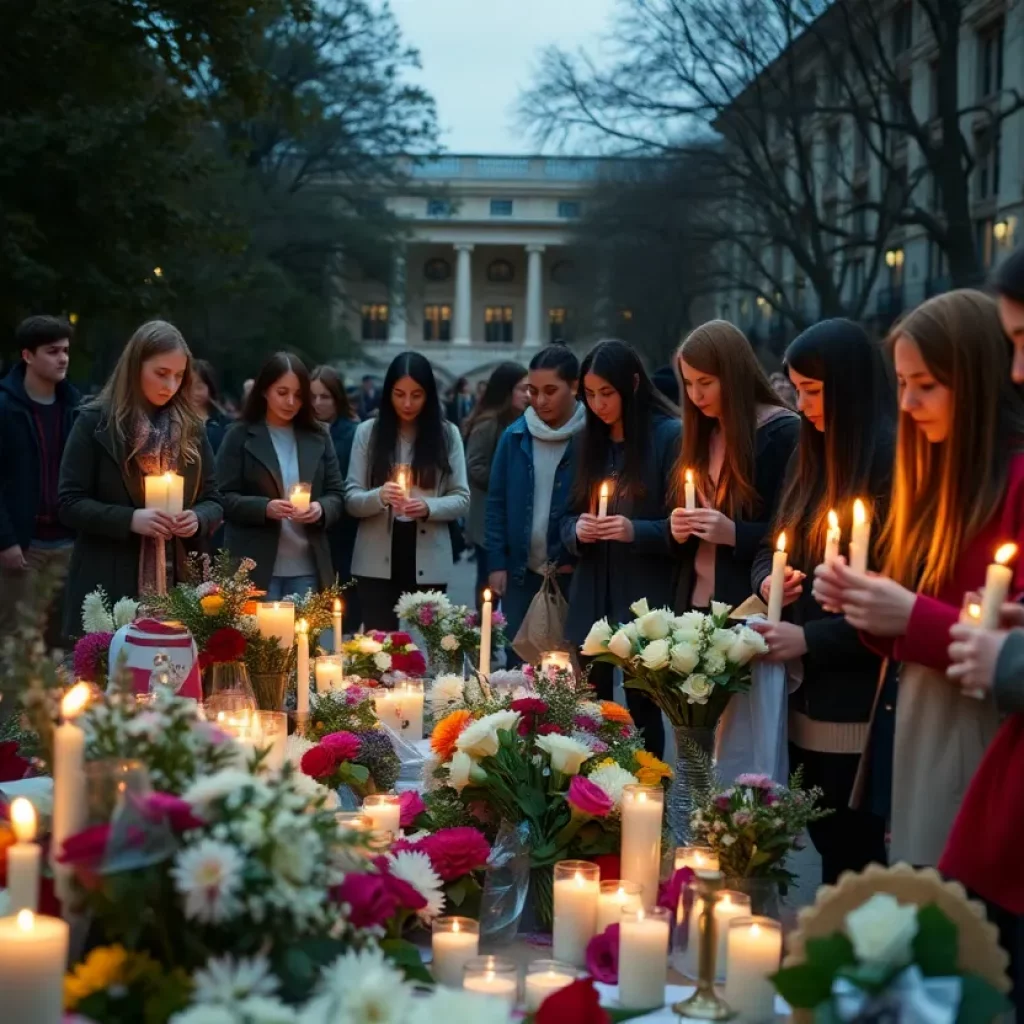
778 585
165 492
754 947
860 537
486 613
833 537
69 807
576 889
33 958
602 500
998 578
302 668
454 942
300 496
643 958
277 619
690 492
617 895
643 808
336 625
23 859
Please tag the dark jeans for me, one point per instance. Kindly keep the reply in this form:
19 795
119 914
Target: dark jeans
848 839
646 714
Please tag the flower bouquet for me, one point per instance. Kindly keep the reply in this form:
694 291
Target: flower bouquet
451 632
378 654
689 665
100 621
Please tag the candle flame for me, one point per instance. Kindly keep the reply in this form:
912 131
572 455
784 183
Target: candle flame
455 925
302 626
833 520
974 610
337 604
780 544
1005 553
604 489
74 700
487 595
579 878
622 893
26 920
168 477
755 929
860 512
23 820
689 476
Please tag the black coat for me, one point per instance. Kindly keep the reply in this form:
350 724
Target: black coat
216 427
99 495
610 576
774 444
20 458
342 535
249 478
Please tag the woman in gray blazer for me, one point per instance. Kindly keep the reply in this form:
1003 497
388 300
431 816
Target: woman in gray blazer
407 485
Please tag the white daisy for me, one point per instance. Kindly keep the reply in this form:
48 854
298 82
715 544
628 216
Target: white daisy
408 604
415 868
612 778
205 791
296 746
357 988
445 690
225 979
208 875
261 1010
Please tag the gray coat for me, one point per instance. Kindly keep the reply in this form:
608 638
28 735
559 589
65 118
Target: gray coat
249 478
480 448
447 501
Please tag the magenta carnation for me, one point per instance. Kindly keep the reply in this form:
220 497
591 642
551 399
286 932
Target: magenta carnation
455 852
319 762
426 615
529 706
411 807
370 899
603 956
589 798
177 812
585 723
343 745
91 654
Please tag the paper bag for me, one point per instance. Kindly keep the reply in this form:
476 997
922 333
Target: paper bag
543 627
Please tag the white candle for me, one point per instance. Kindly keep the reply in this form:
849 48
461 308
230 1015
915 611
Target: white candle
543 978
300 497
577 888
69 808
730 905
616 895
277 619
302 668
643 958
165 492
998 577
642 810
702 860
455 941
832 538
384 811
602 500
403 482
33 958
23 859
336 623
690 492
492 984
329 673
555 661
754 950
778 586
860 537
485 634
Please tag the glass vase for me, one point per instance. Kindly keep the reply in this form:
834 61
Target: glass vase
229 688
694 777
506 884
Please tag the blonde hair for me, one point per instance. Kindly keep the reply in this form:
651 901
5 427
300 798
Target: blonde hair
121 398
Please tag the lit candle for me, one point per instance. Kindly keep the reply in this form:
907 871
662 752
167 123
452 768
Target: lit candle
860 538
602 500
336 623
492 976
643 958
277 619
832 538
270 730
454 941
402 479
616 895
69 806
329 672
384 811
555 661
702 860
754 947
401 709
300 496
485 634
577 889
998 577
302 668
165 492
690 491
778 586
642 810
23 859
730 905
543 978
33 958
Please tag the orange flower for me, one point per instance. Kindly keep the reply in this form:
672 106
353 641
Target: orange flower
612 712
447 732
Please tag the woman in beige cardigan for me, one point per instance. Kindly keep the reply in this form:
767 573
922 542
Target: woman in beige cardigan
407 485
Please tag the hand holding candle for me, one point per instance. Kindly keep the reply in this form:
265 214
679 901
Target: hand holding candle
778 585
165 492
860 538
23 858
300 497
998 578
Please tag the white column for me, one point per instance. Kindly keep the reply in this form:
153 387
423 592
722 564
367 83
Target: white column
534 336
397 314
462 329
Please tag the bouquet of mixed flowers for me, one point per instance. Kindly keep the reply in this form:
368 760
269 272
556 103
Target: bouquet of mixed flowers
689 665
755 823
450 631
377 654
317 607
100 621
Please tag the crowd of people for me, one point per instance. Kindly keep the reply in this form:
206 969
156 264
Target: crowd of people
927 430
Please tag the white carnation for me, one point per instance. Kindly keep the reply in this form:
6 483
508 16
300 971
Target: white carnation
449 642
613 779
415 868
382 661
125 611
409 604
445 690
714 663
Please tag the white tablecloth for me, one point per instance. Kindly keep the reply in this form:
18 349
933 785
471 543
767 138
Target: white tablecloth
610 993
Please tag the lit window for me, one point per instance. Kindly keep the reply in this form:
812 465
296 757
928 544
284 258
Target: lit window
501 207
498 323
560 325
569 209
375 321
439 208
437 323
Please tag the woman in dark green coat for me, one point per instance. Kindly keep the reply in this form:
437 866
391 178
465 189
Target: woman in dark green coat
140 425
277 445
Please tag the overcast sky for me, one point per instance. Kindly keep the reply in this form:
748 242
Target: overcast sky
478 55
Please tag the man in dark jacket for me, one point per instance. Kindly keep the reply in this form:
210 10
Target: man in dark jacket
37 407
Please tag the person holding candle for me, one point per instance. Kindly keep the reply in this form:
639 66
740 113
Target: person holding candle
277 444
631 440
738 437
844 453
1008 284
142 424
958 495
404 541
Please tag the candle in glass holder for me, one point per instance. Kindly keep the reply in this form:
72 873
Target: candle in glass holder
690 492
277 619
492 976
643 958
69 804
642 811
602 499
336 624
33 957
833 536
577 889
23 858
860 537
778 587
545 977
702 860
354 821
730 905
165 492
486 613
616 895
300 496
998 577
384 812
754 947
270 730
329 672
454 941
556 661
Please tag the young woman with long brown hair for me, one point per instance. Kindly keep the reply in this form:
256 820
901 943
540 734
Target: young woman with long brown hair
957 496
738 437
142 423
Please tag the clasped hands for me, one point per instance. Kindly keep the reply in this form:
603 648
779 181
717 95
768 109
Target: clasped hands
394 495
152 522
592 529
706 524
281 508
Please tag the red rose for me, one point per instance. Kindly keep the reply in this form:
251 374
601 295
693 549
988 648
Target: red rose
455 852
12 765
529 706
319 762
548 728
577 1002
411 664
609 865
85 848
225 645
400 639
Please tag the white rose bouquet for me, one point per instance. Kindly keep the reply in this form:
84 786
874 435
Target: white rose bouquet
689 665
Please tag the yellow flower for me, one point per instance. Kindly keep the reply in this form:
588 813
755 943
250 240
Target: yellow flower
102 968
213 604
651 770
606 762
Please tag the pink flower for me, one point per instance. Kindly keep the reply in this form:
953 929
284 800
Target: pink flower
742 818
343 745
529 672
603 956
86 848
411 806
589 798
370 899
319 762
756 781
455 852
91 654
585 723
426 615
404 894
498 619
471 620
355 695
670 890
178 812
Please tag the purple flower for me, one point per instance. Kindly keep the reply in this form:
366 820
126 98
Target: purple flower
498 618
603 956
91 653
585 723
470 620
770 799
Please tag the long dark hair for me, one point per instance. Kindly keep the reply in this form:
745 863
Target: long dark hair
430 451
833 467
497 400
559 358
280 363
335 384
617 363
